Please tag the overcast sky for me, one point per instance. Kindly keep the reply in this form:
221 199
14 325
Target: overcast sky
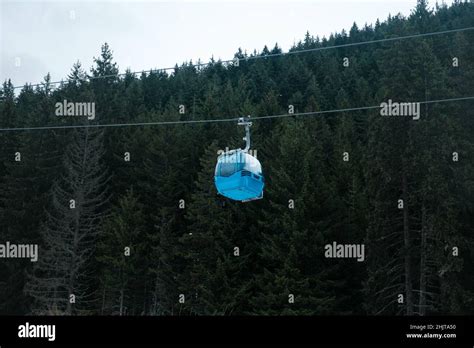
38 37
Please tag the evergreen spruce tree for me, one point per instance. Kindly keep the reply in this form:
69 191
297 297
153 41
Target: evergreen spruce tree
212 280
122 254
291 240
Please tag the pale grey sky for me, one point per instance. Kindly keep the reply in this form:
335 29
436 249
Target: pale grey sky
38 36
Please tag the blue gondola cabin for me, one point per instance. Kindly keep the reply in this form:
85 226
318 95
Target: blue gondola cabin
238 176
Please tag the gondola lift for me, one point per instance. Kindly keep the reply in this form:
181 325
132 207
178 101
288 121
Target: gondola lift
238 174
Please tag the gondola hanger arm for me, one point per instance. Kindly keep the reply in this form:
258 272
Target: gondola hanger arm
246 122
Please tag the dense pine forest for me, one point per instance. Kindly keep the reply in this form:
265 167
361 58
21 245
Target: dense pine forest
147 234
